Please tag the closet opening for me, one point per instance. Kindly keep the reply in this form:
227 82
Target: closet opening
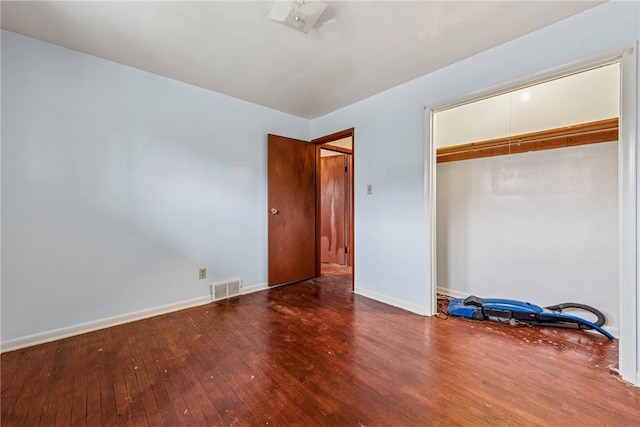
532 187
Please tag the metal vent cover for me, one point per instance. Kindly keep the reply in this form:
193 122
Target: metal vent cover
225 290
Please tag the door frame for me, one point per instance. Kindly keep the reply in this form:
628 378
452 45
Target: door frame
351 202
627 189
347 165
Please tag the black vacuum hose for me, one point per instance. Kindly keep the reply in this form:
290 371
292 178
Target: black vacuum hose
559 307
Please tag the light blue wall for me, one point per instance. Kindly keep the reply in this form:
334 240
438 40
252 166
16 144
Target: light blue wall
391 250
117 185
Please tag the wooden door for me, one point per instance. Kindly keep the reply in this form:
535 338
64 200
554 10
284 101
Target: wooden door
292 210
333 189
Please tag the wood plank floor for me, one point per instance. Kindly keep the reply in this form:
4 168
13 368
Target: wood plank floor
314 354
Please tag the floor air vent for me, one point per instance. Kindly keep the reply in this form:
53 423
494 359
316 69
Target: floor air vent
224 290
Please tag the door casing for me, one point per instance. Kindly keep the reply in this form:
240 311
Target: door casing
351 235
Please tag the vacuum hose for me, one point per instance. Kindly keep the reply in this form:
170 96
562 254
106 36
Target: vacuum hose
559 307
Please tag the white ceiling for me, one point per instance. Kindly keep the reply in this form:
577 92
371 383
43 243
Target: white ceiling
357 48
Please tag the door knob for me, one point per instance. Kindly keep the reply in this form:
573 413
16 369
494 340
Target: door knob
273 211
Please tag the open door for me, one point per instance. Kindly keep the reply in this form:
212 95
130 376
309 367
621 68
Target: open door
292 210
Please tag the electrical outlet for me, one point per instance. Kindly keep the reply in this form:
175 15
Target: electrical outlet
203 273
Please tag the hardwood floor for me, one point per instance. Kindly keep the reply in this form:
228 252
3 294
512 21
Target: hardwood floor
316 354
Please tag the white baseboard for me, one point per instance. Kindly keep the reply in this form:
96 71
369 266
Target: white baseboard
390 301
69 331
83 328
255 288
451 293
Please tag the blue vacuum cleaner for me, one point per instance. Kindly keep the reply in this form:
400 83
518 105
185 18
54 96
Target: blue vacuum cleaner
506 310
